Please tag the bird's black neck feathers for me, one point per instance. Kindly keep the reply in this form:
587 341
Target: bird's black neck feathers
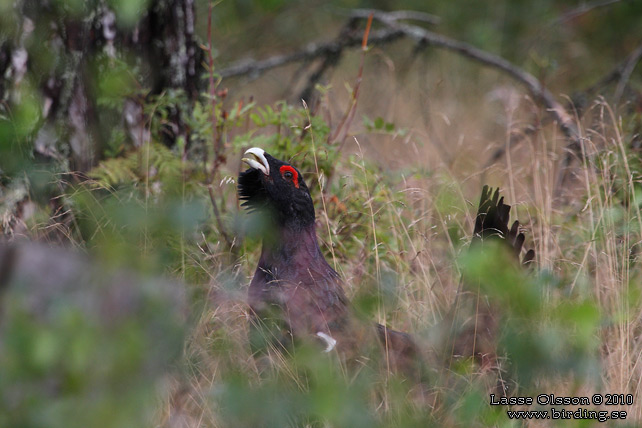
284 208
291 248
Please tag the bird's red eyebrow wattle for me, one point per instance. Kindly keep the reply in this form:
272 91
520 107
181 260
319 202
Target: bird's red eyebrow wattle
295 175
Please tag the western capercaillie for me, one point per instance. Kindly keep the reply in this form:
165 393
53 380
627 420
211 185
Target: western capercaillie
295 294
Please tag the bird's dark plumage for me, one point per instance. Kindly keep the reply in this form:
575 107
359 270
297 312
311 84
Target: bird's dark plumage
492 222
294 291
296 295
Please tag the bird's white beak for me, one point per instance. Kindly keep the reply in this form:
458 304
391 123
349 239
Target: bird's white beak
258 161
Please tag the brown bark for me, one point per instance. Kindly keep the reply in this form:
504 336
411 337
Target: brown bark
165 50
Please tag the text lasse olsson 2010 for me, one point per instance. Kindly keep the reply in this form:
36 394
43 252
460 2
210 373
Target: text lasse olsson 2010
556 413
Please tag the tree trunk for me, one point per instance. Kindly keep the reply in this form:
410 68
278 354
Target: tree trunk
163 47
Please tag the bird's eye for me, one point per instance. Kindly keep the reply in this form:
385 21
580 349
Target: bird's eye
290 174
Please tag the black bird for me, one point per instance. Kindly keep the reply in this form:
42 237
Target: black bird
295 293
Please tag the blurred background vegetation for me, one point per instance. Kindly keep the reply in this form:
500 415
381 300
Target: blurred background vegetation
125 258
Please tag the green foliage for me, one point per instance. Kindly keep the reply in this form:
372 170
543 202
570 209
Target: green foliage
169 207
152 164
17 129
319 393
296 134
128 12
144 209
541 336
115 81
381 126
82 343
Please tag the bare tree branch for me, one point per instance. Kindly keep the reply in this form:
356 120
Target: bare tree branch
582 10
618 71
514 139
395 30
627 70
578 100
330 61
534 86
399 15
312 51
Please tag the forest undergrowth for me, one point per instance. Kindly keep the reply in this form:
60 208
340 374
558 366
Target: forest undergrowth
155 324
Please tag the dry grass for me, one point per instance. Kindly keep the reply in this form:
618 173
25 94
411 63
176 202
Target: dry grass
395 222
586 237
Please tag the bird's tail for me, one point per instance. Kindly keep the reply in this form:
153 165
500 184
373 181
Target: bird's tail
474 320
491 222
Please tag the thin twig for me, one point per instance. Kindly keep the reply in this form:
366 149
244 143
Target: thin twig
216 142
616 72
341 131
321 187
513 140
